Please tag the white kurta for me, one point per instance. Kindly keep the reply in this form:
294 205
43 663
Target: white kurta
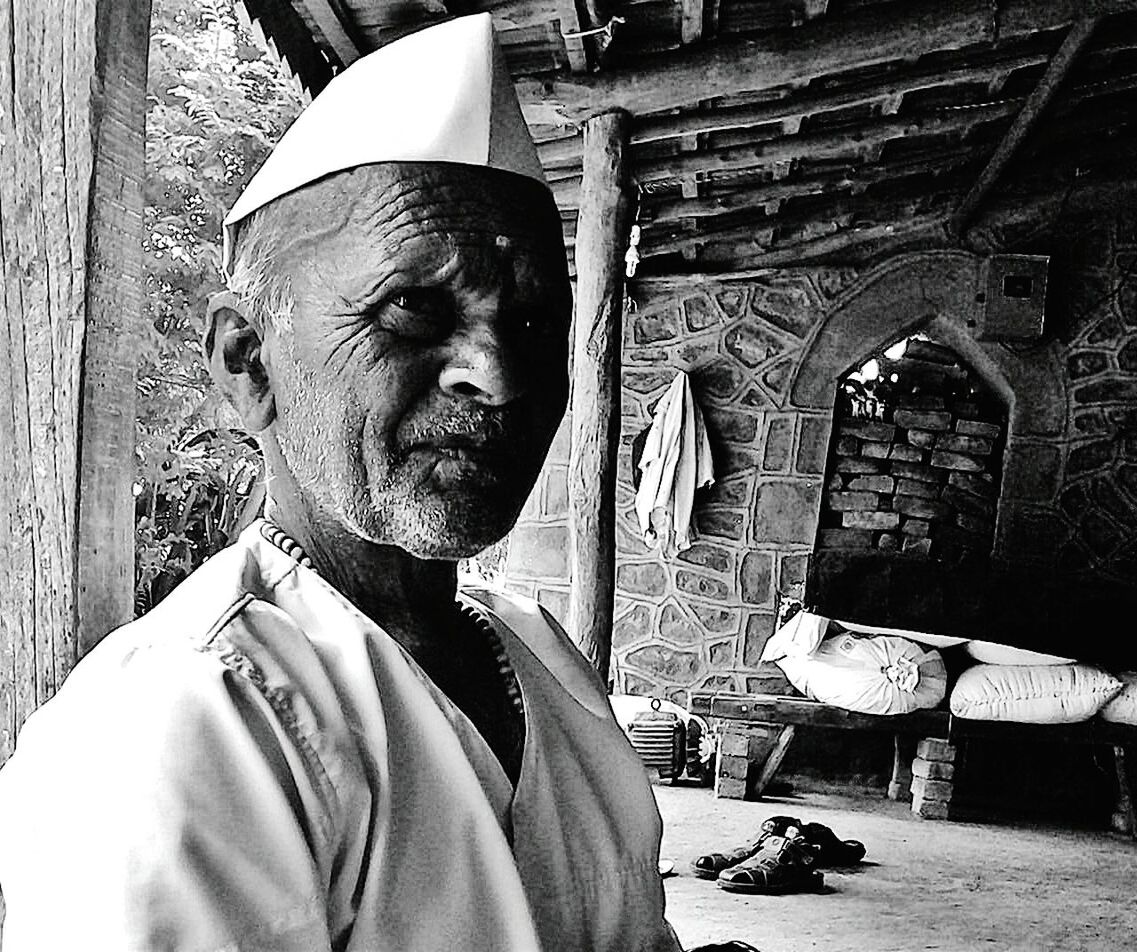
676 461
254 765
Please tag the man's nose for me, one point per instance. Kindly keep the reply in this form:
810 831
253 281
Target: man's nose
481 366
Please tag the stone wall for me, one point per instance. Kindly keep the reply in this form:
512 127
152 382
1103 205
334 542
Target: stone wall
765 355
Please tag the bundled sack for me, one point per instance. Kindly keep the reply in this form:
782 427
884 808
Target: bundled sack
1032 693
990 652
800 635
876 674
1122 707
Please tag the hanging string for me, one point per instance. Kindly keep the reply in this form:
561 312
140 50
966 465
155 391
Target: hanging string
606 29
632 255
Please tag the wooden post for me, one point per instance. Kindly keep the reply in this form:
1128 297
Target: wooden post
72 114
601 240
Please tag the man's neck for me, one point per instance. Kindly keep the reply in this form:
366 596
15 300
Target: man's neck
411 599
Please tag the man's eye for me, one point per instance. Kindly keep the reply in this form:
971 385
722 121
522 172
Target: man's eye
417 313
419 301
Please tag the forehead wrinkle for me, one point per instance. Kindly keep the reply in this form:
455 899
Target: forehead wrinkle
424 253
451 207
375 212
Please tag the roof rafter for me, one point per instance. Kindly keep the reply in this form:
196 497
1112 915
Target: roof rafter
1025 122
823 47
566 151
864 140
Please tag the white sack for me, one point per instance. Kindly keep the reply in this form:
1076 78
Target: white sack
871 675
1032 694
1122 708
800 635
989 652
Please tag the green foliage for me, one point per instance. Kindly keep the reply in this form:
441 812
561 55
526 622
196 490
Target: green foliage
216 105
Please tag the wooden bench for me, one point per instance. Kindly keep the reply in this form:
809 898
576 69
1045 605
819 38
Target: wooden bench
755 730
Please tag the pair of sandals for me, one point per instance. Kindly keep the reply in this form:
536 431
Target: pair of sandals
783 858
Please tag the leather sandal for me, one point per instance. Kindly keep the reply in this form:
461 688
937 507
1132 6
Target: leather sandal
709 865
832 850
783 864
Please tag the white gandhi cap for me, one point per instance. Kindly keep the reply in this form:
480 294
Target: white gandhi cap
440 95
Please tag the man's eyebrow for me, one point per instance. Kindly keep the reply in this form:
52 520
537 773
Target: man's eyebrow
367 292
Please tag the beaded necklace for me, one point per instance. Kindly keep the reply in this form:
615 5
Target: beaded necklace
469 616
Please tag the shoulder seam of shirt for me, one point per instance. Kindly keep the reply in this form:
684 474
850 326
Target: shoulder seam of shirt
240 663
225 618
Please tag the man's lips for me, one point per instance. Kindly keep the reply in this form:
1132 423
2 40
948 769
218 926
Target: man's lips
473 449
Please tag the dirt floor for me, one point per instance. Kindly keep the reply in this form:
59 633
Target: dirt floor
948 886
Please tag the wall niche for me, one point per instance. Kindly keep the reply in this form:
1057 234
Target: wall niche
915 459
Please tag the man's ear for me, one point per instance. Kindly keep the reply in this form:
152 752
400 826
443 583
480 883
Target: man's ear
232 348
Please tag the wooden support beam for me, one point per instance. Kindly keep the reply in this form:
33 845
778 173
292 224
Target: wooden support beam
1025 122
601 239
70 308
825 47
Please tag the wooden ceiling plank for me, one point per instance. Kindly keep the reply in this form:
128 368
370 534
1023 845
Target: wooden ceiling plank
862 140
691 23
1026 121
1023 16
518 14
843 143
567 150
726 69
565 182
570 35
841 212
672 211
749 266
710 18
742 262
825 47
330 21
657 128
745 255
1042 200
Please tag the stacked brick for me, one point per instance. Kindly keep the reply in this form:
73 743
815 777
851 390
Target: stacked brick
733 762
921 476
933 778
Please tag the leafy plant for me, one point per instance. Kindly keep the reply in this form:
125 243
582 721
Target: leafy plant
216 103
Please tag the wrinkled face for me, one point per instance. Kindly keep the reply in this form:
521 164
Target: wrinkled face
425 371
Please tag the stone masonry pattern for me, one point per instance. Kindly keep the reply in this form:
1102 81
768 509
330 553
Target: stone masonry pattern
699 621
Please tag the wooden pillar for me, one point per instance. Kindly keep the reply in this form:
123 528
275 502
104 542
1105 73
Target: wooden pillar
72 119
601 241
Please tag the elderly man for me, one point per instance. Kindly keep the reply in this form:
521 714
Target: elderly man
316 742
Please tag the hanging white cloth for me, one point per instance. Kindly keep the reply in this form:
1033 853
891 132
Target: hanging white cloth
676 461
